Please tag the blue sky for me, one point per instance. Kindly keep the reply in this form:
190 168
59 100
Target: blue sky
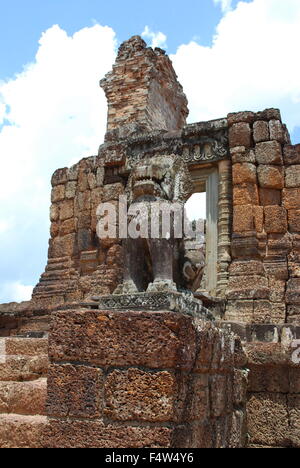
22 22
229 56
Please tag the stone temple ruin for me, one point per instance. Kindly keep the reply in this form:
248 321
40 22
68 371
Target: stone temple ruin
113 350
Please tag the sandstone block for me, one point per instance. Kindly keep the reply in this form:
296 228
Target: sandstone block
23 368
54 213
71 189
243 218
269 153
277 131
54 229
240 311
291 154
292 177
62 246
265 379
83 201
67 227
134 395
276 269
60 177
294 413
268 419
269 197
240 135
96 434
277 290
112 192
291 198
72 173
294 220
83 183
244 173
75 391
275 219
26 346
84 239
66 210
268 312
248 287
18 431
247 267
268 352
278 247
293 291
294 379
240 154
271 177
261 131
237 117
215 352
58 193
245 194
28 398
245 245
269 114
153 340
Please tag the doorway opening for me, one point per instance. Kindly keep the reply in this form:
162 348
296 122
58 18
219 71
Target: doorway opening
205 203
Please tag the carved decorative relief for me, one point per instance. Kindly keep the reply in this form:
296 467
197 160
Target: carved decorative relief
176 302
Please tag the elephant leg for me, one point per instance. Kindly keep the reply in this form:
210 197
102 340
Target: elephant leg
161 252
134 270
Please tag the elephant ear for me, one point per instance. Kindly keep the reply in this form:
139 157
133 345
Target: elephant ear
183 184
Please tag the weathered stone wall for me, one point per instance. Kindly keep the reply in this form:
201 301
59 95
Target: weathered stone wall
144 379
264 273
273 396
78 264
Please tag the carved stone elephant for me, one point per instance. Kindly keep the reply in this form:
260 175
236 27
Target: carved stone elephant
155 264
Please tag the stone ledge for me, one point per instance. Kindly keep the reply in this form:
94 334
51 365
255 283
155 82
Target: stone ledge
171 301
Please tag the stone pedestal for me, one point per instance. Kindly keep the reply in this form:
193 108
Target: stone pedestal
143 378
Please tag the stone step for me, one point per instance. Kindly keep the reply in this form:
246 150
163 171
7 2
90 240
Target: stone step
26 398
23 368
19 431
17 346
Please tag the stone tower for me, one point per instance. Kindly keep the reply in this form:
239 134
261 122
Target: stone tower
142 92
217 368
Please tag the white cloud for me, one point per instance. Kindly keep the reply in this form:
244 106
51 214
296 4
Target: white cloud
15 291
225 4
6 225
158 39
55 113
252 63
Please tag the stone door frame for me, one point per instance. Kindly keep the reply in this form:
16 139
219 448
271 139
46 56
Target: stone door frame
215 180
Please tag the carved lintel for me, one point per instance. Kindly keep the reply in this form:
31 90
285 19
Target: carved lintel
194 147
